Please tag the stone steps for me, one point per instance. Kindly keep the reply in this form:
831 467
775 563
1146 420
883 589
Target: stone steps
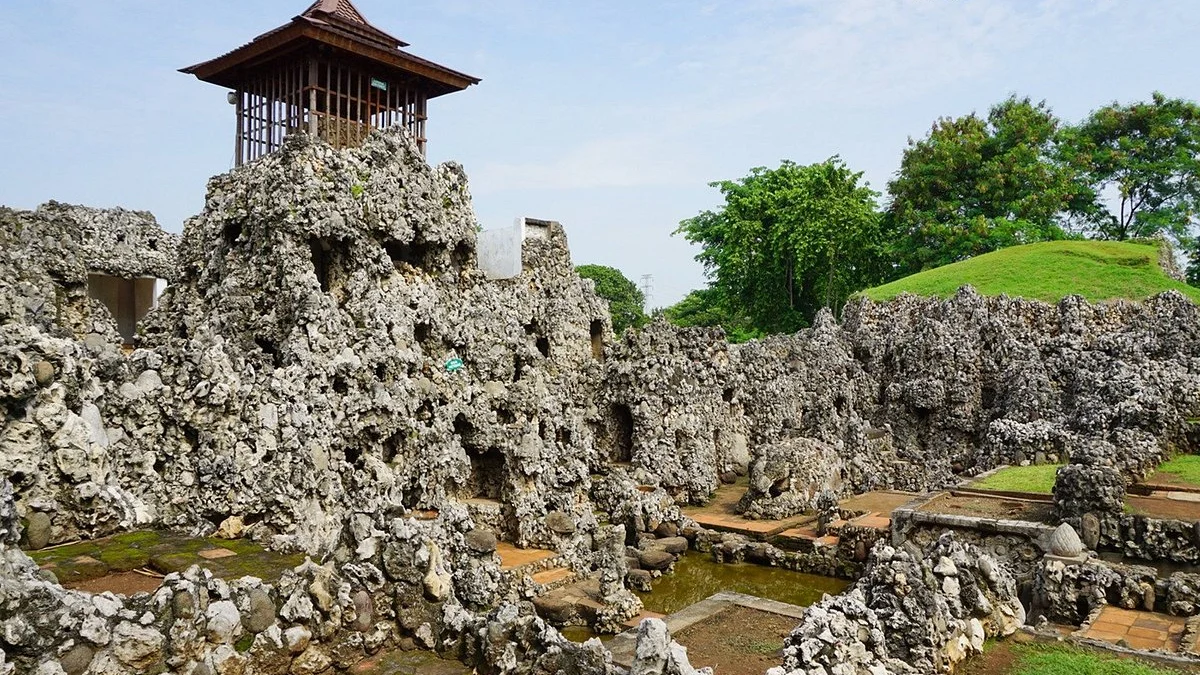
637 620
574 604
555 577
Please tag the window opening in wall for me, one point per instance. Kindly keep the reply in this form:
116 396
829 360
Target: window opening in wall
487 474
597 332
412 254
623 422
231 232
321 262
422 332
128 300
461 255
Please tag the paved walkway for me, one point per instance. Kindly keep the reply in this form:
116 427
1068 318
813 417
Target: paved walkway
1139 630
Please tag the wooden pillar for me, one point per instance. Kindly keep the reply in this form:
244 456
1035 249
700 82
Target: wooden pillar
312 98
241 128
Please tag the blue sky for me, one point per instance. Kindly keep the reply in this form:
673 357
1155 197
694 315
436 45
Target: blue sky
610 117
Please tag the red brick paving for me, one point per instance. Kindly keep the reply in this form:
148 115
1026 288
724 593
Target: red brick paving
1140 630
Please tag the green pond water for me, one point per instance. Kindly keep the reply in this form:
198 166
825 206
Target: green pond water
1165 568
698 576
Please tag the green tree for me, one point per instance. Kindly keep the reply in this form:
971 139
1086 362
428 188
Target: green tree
975 185
787 242
625 300
1146 157
707 307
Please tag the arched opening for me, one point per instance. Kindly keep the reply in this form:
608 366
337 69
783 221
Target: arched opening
127 300
322 262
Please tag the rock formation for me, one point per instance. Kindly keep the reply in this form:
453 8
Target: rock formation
329 371
909 613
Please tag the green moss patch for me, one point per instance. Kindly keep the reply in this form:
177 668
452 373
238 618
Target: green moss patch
1035 478
163 552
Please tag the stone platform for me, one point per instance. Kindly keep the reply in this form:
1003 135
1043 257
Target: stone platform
720 514
869 510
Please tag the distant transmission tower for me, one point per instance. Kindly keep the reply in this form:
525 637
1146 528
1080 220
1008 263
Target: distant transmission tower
647 287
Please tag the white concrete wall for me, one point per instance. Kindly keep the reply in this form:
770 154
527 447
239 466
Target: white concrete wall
499 251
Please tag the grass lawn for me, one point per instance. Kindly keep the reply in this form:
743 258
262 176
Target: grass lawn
1018 655
1050 271
1058 660
1185 467
1035 478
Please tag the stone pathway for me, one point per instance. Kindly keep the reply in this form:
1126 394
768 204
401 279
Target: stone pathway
878 502
576 604
1139 630
1172 506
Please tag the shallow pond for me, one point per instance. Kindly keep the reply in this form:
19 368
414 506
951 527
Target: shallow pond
698 576
1165 568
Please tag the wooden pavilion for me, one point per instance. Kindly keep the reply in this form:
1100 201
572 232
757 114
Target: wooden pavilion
330 73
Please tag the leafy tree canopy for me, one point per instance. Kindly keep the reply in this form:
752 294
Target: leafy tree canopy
974 185
707 307
625 300
1146 156
787 242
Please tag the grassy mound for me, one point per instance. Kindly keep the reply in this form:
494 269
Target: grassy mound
1049 271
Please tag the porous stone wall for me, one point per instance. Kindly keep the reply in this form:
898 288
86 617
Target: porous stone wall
298 364
1068 592
60 358
912 612
390 583
1090 494
911 394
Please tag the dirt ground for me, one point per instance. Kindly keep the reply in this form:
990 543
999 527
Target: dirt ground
737 641
991 507
1161 507
408 663
121 583
1164 478
880 501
